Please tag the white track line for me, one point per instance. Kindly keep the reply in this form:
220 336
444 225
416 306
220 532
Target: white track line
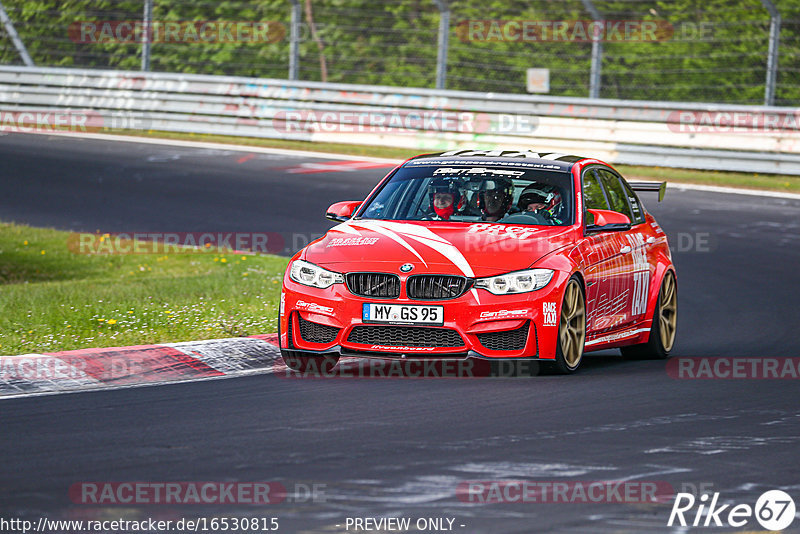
221 146
734 190
347 157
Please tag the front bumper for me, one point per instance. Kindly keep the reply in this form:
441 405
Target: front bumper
477 324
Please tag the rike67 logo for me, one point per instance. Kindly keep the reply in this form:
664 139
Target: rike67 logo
774 510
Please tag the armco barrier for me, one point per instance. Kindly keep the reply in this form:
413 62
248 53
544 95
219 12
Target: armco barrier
628 132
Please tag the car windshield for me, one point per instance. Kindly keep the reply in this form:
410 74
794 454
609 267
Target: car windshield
471 193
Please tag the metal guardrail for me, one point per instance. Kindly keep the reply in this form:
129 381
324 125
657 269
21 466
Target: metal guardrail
629 132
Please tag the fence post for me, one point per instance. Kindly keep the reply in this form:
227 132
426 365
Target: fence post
444 35
294 41
772 54
147 34
12 33
597 52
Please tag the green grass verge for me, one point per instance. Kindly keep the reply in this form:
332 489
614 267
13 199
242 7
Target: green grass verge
53 299
771 182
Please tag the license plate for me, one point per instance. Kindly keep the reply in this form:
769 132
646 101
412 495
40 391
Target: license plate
403 314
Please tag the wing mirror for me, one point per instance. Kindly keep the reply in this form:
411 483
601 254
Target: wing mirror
606 221
342 211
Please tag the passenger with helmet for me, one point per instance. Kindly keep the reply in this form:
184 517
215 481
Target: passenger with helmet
495 198
542 200
445 199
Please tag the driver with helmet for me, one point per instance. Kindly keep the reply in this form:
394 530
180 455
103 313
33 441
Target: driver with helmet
540 199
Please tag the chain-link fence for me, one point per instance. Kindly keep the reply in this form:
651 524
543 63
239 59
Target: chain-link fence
678 50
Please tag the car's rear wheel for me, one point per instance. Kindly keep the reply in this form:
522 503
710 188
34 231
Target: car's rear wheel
302 363
571 328
664 328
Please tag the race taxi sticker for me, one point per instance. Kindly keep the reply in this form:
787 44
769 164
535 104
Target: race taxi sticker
641 274
549 314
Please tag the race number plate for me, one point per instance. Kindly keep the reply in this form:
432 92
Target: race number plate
402 314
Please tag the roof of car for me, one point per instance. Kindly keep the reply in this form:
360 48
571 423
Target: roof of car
519 158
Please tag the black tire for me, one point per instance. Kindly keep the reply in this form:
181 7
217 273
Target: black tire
572 325
302 363
655 349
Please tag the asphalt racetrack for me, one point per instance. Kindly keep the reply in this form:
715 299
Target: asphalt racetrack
401 447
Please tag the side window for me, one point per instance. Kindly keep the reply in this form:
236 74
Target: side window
593 196
636 206
616 194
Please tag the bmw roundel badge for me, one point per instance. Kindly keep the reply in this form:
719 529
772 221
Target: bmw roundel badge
406 267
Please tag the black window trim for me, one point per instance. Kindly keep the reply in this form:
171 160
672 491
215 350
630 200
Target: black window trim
377 190
362 208
622 184
629 191
627 188
591 168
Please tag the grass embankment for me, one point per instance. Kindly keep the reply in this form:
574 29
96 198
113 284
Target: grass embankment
52 299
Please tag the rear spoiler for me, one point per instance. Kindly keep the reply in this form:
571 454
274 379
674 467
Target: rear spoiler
661 187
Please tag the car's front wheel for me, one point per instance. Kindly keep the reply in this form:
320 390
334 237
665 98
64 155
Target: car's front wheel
571 328
302 363
665 322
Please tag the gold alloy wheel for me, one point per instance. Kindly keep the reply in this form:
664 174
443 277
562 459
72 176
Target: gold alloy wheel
668 314
572 330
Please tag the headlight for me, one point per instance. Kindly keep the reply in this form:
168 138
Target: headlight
312 275
516 282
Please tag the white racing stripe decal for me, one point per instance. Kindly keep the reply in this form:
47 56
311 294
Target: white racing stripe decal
345 228
394 237
426 237
616 337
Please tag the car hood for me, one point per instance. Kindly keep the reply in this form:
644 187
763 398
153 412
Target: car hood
469 249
